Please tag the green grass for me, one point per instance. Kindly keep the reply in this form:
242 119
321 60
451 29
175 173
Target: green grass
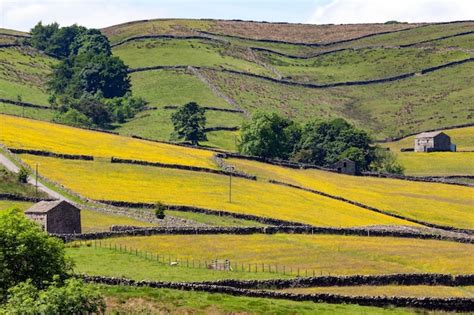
212 219
413 35
459 42
325 254
125 300
27 112
173 88
24 73
115 263
10 204
365 64
172 52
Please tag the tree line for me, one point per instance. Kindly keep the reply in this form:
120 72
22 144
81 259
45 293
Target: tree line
89 86
272 136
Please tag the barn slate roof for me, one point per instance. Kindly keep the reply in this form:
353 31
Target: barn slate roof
431 134
46 206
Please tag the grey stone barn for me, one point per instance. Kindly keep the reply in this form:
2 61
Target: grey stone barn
345 166
433 141
58 217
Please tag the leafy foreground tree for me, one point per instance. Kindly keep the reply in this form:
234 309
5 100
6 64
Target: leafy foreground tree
189 123
72 297
34 272
269 135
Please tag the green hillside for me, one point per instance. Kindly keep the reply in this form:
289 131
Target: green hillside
437 99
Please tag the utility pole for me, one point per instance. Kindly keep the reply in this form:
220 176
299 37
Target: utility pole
36 181
230 169
230 187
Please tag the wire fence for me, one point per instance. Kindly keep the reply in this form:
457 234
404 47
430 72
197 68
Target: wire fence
221 265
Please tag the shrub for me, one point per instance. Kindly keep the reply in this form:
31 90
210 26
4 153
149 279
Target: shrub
23 176
28 253
160 210
74 297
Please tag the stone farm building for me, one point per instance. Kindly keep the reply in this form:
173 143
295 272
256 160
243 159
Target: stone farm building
57 217
433 141
345 166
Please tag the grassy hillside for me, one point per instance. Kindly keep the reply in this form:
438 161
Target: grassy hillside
9 184
438 163
24 73
432 100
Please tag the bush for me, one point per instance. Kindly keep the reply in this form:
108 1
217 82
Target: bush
386 162
28 253
74 297
23 176
160 210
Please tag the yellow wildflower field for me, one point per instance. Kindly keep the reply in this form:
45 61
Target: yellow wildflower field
107 181
337 254
24 133
429 202
438 163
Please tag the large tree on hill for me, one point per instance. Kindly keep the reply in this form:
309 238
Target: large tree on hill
189 122
326 142
269 135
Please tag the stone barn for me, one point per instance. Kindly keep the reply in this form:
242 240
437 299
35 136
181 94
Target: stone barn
433 141
345 166
58 217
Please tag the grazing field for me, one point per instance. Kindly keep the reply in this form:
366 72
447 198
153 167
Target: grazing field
24 73
62 139
337 255
175 52
465 42
110 262
125 300
415 35
9 204
213 220
27 112
364 64
392 290
441 204
438 163
176 87
386 109
151 184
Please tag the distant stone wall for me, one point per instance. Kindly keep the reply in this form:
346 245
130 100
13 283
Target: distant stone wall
183 167
23 104
52 154
445 304
431 279
287 229
210 108
14 197
426 179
